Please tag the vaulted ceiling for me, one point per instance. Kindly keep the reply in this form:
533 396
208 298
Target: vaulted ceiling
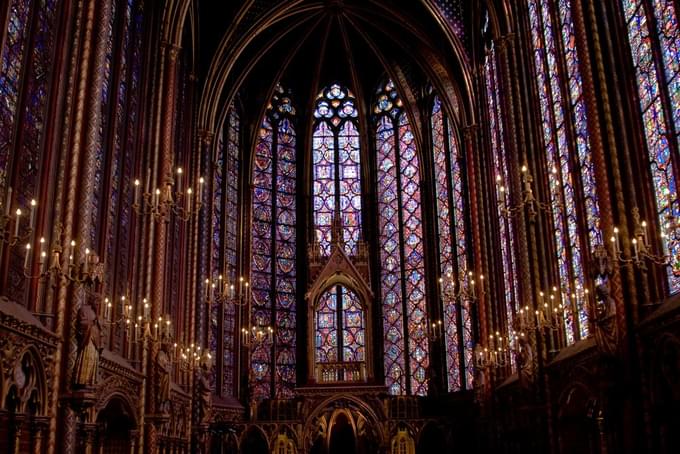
246 47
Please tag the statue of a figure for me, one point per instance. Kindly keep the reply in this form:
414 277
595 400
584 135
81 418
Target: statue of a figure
163 366
88 336
204 393
606 333
525 359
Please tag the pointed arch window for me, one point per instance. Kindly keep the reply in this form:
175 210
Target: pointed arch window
337 168
273 269
451 223
506 227
572 189
224 245
26 67
340 327
402 274
654 37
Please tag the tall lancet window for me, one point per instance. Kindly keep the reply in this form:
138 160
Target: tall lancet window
337 176
402 273
273 249
339 327
450 200
567 152
500 166
654 36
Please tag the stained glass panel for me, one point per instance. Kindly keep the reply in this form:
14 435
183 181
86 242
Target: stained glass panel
402 250
273 270
567 156
658 127
390 258
337 170
13 55
501 174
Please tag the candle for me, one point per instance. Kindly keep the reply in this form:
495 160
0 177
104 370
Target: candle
146 308
28 255
32 217
72 252
644 233
179 180
200 189
8 202
167 328
87 258
155 330
136 199
189 200
635 248
17 222
616 239
156 197
122 301
207 289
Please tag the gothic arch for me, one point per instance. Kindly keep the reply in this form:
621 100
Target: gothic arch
114 388
232 48
254 434
318 421
25 390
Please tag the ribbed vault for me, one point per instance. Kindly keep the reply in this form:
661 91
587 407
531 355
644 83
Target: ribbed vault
308 44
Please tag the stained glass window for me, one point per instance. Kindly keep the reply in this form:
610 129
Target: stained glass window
339 327
500 170
450 202
336 160
224 227
25 77
656 58
567 154
402 274
273 249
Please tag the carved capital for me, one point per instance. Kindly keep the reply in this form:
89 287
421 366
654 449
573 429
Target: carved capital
205 136
469 132
172 50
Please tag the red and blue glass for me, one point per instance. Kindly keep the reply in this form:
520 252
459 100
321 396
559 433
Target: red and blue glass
336 168
401 244
661 125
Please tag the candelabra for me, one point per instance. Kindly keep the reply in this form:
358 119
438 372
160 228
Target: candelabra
527 200
258 334
8 219
497 353
191 357
64 265
642 248
160 203
467 289
220 291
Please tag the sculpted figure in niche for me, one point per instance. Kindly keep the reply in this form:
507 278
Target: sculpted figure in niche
163 366
525 359
606 333
204 393
88 336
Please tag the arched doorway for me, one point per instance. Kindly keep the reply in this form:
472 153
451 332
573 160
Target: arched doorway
116 428
342 439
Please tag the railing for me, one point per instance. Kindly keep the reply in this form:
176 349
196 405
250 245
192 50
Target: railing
341 372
